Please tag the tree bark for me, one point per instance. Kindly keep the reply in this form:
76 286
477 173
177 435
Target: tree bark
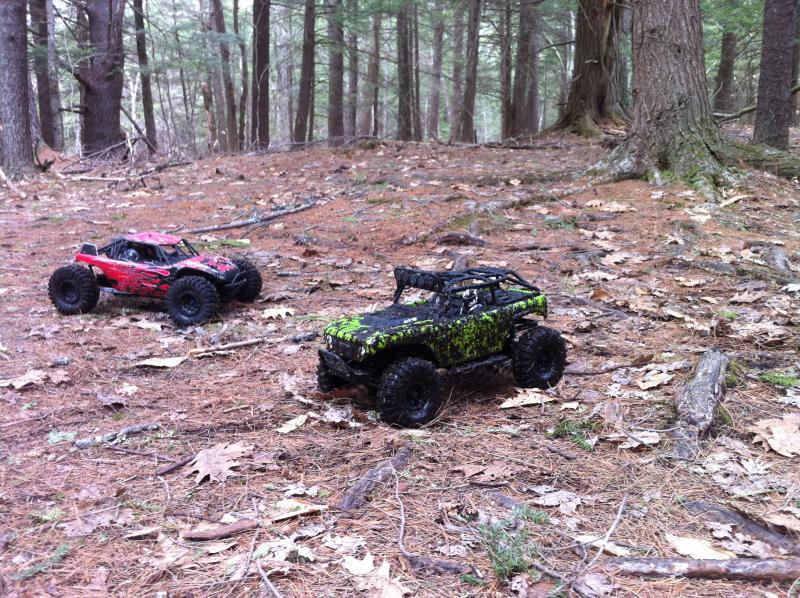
457 95
101 76
796 68
46 84
673 127
589 102
417 108
434 97
618 91
370 116
466 120
208 109
335 73
259 115
306 75
351 113
231 125
144 74
772 570
245 74
525 93
405 82
723 86
504 38
774 111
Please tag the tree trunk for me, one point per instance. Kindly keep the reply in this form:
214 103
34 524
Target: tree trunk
351 114
796 68
245 75
46 85
504 37
723 86
208 108
16 153
259 116
619 102
335 73
466 121
231 125
144 73
673 128
457 95
405 82
774 111
434 98
566 58
306 75
525 93
370 115
595 52
417 109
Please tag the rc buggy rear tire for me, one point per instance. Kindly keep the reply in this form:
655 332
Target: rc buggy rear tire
192 300
326 381
411 393
73 290
539 357
253 281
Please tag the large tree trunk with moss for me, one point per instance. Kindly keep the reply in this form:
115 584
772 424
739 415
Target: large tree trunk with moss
774 111
589 102
673 127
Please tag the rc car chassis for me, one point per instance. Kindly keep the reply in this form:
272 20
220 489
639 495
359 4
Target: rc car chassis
154 265
475 317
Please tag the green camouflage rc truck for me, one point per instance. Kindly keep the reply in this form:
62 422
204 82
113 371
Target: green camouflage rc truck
475 318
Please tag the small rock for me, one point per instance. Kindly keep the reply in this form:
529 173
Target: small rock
61 361
585 326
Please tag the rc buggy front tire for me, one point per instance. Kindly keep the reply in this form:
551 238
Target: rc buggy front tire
253 281
411 393
73 290
539 357
192 300
327 381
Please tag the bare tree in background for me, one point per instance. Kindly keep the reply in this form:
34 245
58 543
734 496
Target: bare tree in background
144 74
335 73
304 97
259 124
46 78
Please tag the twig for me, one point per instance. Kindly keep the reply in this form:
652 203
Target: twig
225 531
226 346
175 466
270 586
112 436
253 220
128 451
606 537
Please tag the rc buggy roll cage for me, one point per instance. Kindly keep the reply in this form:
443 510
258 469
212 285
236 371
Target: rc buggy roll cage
476 317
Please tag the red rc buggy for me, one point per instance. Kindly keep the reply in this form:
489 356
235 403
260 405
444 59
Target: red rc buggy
154 265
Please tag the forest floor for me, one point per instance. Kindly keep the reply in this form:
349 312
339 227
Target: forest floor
638 277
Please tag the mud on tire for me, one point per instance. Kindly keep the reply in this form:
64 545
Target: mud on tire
73 290
411 393
253 281
192 300
326 380
539 357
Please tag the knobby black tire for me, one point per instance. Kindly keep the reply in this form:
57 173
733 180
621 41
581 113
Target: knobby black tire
539 357
411 393
326 380
73 290
253 281
184 292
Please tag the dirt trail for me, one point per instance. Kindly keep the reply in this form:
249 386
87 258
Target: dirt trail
634 274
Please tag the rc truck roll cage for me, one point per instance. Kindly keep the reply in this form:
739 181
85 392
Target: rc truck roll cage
118 247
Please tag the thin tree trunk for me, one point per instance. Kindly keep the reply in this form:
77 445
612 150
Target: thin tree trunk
619 104
208 108
52 62
466 130
723 86
796 68
245 74
335 73
457 95
351 114
434 99
40 38
301 128
144 73
525 93
259 116
504 35
417 108
231 125
370 116
530 122
774 111
405 83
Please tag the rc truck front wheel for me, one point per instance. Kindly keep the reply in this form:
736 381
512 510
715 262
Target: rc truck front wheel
73 290
192 300
411 393
327 380
253 281
539 357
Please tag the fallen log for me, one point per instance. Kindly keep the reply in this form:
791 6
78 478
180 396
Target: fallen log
456 238
380 474
252 221
697 403
225 531
743 524
742 569
112 436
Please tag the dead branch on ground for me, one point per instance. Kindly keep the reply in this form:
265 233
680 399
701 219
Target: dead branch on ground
380 474
698 402
112 436
742 569
252 221
225 531
175 466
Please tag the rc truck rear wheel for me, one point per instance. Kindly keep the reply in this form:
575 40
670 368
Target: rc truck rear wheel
326 380
192 300
252 287
73 290
539 357
411 393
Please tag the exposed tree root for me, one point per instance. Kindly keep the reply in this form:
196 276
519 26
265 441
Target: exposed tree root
744 569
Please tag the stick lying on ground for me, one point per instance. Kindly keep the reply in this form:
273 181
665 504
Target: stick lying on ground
253 220
745 569
698 402
175 466
380 474
112 436
225 531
